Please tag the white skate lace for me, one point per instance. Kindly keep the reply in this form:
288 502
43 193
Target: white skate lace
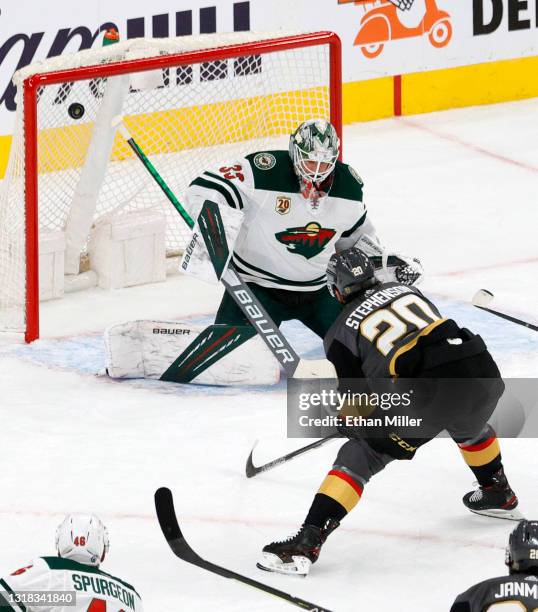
477 495
289 538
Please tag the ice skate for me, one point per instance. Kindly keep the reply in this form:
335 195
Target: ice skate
296 554
496 500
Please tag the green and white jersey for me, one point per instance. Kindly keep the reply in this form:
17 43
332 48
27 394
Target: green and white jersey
285 241
52 578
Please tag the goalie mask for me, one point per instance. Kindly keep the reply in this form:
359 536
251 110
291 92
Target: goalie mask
349 273
314 149
82 538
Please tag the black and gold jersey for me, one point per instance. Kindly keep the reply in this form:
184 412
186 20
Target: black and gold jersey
514 593
375 331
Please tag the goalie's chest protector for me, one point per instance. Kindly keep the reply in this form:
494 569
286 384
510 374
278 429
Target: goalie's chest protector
284 242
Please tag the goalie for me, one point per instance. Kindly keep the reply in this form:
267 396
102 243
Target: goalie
298 207
280 215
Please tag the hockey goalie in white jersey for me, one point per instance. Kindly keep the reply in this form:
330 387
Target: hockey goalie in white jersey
298 207
48 584
284 213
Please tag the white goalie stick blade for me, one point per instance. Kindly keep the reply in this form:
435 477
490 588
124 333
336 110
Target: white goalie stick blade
299 566
508 515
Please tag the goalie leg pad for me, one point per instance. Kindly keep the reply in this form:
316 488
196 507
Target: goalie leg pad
164 350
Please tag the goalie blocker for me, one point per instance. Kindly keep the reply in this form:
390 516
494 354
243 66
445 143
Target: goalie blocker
211 242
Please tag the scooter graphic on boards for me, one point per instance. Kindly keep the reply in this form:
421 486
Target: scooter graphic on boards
382 24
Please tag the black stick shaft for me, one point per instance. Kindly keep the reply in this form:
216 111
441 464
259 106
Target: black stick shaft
164 505
502 315
251 470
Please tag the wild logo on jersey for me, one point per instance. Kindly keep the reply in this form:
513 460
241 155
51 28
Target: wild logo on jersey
307 241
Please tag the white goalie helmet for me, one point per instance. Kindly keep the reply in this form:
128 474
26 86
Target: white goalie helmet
314 149
82 538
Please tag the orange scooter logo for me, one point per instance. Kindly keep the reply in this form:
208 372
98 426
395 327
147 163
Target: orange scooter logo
382 24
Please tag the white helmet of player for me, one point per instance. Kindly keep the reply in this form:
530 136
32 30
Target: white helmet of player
82 538
314 149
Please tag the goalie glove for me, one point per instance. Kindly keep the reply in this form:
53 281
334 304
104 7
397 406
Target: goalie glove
390 267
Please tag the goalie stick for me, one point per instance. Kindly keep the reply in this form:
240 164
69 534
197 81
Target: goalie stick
483 297
242 295
251 470
164 505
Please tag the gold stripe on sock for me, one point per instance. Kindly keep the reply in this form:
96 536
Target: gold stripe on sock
346 494
477 458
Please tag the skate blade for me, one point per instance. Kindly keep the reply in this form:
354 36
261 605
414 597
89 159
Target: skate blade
508 515
272 563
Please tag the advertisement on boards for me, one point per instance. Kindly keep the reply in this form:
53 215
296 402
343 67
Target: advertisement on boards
379 37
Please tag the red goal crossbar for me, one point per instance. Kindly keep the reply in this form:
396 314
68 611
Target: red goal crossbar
34 82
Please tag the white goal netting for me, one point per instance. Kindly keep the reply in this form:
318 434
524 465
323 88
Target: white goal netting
185 117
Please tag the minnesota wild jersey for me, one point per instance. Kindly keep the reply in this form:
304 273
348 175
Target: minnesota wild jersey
286 240
51 581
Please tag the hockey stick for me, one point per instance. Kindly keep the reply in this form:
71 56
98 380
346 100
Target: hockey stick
240 292
164 505
251 470
483 297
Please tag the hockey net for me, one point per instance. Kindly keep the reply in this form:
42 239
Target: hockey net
190 102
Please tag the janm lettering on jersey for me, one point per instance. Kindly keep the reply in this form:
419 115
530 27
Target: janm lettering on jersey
517 589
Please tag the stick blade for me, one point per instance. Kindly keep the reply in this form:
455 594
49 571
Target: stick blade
164 505
482 298
250 470
166 514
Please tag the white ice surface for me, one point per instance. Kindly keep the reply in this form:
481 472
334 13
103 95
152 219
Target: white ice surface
458 189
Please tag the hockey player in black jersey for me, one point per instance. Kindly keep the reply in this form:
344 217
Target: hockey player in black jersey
391 331
519 590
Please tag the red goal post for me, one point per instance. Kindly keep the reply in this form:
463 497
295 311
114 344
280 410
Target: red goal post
43 142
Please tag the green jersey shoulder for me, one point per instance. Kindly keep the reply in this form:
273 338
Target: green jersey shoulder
273 171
